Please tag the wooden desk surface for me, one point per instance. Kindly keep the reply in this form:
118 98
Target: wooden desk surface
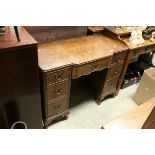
10 40
146 43
77 51
133 119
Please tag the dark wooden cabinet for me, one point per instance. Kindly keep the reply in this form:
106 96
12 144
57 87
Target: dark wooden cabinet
20 100
45 34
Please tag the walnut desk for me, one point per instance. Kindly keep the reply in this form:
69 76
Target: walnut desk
61 61
134 53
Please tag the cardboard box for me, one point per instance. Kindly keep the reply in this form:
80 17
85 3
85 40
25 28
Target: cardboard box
146 89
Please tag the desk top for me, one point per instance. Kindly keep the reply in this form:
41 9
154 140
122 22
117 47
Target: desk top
9 40
133 119
132 46
77 51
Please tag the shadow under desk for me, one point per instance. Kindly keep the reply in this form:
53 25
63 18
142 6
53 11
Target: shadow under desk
97 57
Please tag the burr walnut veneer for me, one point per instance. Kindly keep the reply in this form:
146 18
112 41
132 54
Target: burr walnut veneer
61 61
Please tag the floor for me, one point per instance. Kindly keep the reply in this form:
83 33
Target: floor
86 114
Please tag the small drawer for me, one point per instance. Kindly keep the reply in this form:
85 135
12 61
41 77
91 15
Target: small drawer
136 53
57 107
110 85
119 57
88 68
58 90
149 49
56 76
115 70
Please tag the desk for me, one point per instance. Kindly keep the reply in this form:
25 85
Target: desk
64 60
133 55
133 119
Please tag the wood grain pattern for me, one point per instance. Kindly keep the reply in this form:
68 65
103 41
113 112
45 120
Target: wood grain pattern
77 51
85 69
132 46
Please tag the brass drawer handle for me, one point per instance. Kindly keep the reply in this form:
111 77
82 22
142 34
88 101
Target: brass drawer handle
116 71
136 53
59 90
118 58
95 67
147 50
58 76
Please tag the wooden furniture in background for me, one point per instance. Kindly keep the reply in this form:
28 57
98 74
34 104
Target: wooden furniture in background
20 100
133 119
44 34
135 51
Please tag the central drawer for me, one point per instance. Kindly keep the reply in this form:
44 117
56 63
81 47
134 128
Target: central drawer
58 90
90 67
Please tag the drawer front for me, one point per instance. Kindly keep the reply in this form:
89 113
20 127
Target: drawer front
88 68
119 57
58 90
136 53
56 76
115 71
149 49
110 85
57 107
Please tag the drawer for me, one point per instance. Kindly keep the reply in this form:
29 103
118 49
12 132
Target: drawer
110 85
57 107
119 57
149 49
56 76
136 52
88 68
115 70
58 90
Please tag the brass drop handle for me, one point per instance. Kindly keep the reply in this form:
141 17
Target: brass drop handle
59 90
136 53
118 58
95 67
147 50
58 76
116 71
